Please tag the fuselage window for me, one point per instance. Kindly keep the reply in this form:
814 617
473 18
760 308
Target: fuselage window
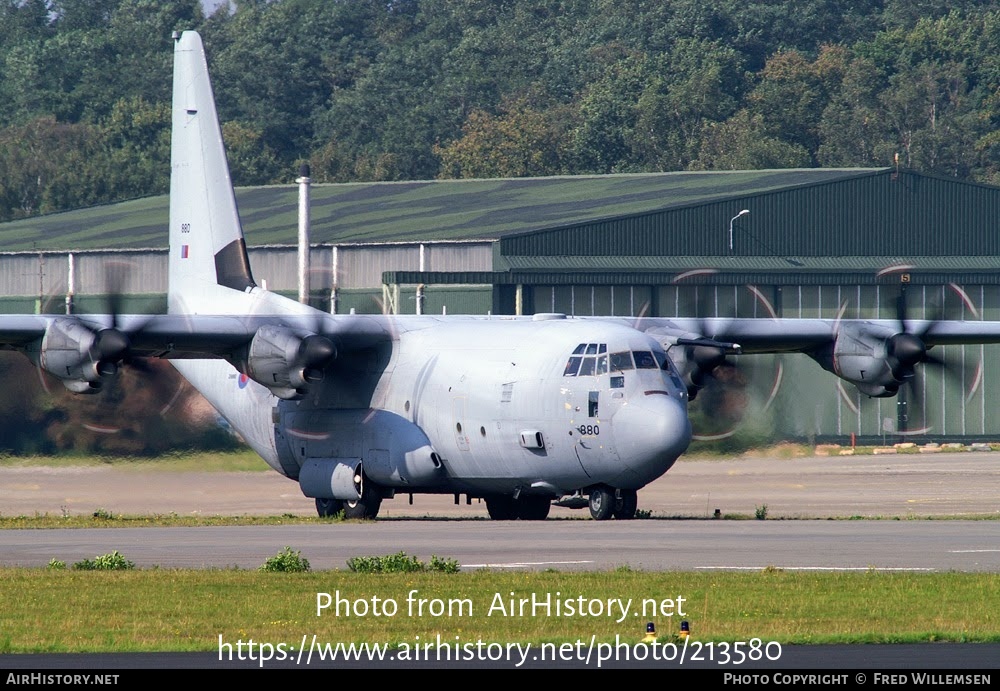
644 360
621 361
618 382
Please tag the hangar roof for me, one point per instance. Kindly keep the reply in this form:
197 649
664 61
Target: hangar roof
418 211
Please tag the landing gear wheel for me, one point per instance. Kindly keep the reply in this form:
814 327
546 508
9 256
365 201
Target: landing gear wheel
500 507
367 506
328 507
602 503
626 505
532 508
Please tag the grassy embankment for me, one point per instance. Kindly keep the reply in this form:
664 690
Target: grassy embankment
188 461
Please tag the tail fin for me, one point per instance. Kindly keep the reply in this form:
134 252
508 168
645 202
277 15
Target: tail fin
208 256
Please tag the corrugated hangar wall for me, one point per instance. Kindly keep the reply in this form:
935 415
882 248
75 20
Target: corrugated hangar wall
881 214
30 281
959 400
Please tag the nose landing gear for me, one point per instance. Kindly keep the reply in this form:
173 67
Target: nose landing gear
606 503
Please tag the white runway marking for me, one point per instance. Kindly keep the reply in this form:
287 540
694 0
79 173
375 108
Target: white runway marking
813 568
522 564
971 551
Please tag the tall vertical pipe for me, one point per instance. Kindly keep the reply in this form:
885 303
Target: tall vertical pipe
70 283
303 181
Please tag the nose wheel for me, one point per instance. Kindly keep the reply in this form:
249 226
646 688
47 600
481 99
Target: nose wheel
602 503
626 504
607 503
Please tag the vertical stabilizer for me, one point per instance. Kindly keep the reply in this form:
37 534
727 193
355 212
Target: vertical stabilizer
208 257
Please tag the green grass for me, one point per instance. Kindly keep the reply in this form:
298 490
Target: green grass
102 518
188 461
187 610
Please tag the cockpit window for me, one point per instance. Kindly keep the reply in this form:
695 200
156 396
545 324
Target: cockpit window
667 365
621 361
644 359
592 364
602 364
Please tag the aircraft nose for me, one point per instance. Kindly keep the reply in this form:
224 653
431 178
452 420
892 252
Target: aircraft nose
651 432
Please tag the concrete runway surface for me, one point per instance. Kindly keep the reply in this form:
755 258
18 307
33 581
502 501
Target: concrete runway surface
905 487
908 486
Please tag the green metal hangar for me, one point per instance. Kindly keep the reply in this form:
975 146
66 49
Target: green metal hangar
793 243
812 243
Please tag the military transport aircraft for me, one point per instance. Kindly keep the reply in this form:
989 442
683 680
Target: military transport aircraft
519 411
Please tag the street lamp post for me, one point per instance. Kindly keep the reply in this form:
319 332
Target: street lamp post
742 213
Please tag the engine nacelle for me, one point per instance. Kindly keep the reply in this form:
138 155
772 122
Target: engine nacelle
875 359
72 352
287 362
696 358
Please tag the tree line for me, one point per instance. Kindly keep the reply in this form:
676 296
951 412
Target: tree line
422 89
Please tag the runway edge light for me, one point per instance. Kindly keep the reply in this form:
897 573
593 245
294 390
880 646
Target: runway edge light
685 629
650 636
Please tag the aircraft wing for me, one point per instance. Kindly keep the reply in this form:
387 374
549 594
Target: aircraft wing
186 336
877 356
788 335
81 349
159 335
762 335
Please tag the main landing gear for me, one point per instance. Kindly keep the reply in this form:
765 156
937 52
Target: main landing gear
607 503
366 507
503 507
329 507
